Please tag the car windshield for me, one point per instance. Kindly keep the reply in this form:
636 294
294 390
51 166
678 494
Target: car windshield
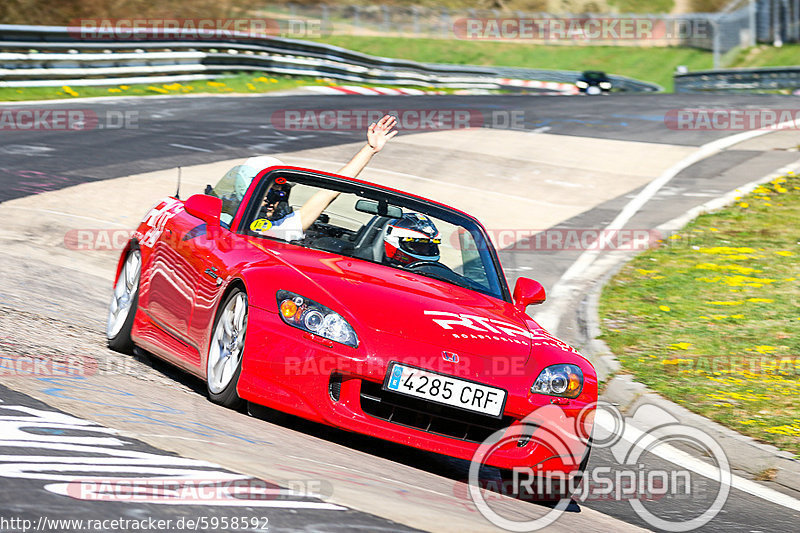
593 75
367 223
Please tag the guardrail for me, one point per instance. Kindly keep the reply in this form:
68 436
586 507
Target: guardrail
52 55
738 79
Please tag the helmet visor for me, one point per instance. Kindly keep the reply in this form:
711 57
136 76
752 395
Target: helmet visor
420 247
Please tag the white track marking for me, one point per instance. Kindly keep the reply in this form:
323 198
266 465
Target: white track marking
190 147
561 291
685 460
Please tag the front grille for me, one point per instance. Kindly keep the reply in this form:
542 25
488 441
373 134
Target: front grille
428 416
335 386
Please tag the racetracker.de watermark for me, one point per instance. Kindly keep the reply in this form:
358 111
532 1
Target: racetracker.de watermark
48 119
423 119
558 239
73 366
177 490
708 119
195 29
579 29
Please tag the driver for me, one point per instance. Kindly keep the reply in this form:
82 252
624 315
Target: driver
411 238
289 225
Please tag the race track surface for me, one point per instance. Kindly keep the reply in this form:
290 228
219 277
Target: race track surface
52 300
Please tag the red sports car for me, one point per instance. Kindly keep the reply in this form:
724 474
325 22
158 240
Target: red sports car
389 315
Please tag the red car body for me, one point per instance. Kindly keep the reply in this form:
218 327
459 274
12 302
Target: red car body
189 265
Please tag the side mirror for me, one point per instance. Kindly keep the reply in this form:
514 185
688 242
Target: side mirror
206 208
528 292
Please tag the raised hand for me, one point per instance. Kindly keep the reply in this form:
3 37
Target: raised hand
380 132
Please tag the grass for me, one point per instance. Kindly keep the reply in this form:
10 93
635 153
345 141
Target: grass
242 83
648 64
768 56
711 319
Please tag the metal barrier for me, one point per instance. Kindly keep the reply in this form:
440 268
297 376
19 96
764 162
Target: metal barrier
50 55
738 79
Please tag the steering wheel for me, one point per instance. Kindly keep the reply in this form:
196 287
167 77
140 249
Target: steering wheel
425 262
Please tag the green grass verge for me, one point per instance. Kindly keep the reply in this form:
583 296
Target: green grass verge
244 83
711 319
647 64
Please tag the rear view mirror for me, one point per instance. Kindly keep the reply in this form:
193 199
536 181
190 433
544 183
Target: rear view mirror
379 208
206 208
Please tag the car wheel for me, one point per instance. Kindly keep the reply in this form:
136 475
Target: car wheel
224 363
122 309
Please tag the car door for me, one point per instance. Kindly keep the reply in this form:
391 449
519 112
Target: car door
170 281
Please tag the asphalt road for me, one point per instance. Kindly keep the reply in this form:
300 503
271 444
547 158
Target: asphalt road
164 133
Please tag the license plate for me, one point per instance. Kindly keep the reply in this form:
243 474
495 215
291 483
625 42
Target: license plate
444 389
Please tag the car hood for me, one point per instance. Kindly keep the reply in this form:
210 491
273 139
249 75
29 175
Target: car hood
398 302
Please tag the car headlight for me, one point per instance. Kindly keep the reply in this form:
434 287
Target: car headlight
559 380
581 84
605 85
308 315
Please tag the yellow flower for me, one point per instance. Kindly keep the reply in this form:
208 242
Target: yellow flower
744 205
785 253
215 84
124 87
726 303
713 229
67 89
158 89
680 346
262 79
664 308
251 86
765 349
761 300
114 90
737 316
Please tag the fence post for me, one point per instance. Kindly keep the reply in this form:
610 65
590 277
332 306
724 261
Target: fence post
777 40
415 17
751 14
356 17
717 41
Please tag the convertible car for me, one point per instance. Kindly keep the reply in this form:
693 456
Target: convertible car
389 316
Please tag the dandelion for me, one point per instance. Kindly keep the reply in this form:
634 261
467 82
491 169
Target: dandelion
760 300
215 84
158 89
69 90
664 308
744 205
114 90
726 303
124 87
251 86
680 346
784 253
765 349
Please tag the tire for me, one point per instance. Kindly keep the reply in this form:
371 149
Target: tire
224 361
124 302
